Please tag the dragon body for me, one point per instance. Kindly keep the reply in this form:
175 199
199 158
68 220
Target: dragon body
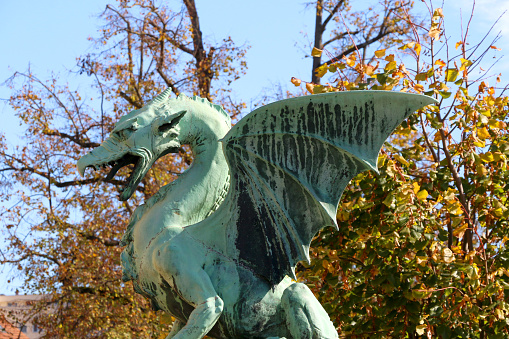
217 247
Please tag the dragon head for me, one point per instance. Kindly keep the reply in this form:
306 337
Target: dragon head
140 138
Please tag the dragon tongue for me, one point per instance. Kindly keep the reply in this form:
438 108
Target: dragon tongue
114 170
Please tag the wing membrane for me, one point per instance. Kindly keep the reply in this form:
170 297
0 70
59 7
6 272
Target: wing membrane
290 162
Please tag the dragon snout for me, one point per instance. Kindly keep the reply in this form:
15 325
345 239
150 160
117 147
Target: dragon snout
99 157
86 161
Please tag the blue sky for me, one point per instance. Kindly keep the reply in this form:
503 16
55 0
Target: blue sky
50 35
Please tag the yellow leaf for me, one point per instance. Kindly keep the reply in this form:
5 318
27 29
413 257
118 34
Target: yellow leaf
295 81
380 53
409 45
459 231
419 294
391 65
485 112
348 205
437 137
417 49
458 44
322 70
498 212
487 157
370 69
471 255
497 124
350 62
422 195
465 63
317 89
483 133
316 52
401 160
499 156
479 143
451 74
455 208
481 169
416 187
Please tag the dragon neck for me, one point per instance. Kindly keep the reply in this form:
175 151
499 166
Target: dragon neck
198 191
189 199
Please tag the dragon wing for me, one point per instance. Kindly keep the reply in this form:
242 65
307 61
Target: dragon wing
290 162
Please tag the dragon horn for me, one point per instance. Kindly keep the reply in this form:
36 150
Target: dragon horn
163 96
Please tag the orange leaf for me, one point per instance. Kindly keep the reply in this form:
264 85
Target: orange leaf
295 81
440 63
309 87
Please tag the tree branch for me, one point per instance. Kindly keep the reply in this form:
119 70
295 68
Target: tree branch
366 43
331 14
105 242
73 138
130 100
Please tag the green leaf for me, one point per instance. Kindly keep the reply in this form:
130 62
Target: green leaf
421 76
445 94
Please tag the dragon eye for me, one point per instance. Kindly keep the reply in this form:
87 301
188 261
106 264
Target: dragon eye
165 127
168 125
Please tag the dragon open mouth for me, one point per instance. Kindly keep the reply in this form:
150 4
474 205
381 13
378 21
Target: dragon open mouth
103 157
140 167
136 174
126 160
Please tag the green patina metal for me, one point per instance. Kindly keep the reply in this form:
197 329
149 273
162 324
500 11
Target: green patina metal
217 247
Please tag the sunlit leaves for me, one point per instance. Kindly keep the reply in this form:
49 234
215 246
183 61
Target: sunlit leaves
380 53
451 75
433 238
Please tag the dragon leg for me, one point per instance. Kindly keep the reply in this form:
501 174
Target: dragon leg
194 285
305 317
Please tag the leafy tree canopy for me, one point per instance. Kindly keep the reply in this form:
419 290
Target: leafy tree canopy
421 247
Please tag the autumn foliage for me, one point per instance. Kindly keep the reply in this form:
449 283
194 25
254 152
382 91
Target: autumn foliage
421 246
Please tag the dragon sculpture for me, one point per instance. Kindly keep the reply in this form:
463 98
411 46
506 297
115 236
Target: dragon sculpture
217 247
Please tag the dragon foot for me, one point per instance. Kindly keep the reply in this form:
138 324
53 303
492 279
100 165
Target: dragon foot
305 317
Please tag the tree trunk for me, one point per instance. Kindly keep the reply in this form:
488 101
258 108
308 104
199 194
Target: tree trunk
318 40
